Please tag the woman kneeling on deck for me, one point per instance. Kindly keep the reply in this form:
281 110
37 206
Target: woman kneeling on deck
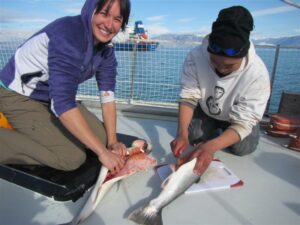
38 90
225 85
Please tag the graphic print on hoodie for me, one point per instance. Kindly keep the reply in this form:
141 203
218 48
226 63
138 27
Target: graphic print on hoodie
212 101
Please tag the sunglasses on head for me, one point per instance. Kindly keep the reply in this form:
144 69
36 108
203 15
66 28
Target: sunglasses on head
214 48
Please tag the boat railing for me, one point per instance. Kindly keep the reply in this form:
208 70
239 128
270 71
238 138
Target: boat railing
153 77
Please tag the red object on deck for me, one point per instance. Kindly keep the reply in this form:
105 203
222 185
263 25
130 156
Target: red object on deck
285 122
294 143
283 125
144 36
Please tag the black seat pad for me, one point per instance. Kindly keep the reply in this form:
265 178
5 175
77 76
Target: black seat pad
61 185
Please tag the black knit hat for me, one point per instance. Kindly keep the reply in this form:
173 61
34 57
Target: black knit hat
231 31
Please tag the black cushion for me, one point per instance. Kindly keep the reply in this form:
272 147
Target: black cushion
61 185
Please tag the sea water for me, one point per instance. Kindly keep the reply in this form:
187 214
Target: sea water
154 76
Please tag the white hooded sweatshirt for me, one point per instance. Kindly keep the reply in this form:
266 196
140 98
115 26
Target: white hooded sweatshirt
239 98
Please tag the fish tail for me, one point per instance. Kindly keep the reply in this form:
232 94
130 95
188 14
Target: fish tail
146 215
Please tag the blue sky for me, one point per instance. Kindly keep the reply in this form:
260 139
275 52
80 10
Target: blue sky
272 18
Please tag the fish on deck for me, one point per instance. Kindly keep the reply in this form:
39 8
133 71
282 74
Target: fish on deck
176 184
137 159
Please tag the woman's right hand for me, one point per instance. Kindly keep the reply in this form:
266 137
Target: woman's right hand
112 161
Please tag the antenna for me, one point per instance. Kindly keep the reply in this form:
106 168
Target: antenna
297 5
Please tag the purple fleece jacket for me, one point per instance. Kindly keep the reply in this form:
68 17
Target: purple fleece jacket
51 64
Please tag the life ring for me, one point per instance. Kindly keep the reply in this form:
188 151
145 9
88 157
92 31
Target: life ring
280 122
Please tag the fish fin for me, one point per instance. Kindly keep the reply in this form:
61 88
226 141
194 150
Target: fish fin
146 215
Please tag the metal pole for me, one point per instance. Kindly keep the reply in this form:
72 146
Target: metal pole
273 74
133 72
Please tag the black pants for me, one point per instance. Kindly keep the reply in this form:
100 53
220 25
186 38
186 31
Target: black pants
203 128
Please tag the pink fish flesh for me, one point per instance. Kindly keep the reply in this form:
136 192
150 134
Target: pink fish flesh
137 160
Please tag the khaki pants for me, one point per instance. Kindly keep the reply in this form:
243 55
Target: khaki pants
40 138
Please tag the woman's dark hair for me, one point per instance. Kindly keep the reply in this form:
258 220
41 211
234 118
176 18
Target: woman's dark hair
125 9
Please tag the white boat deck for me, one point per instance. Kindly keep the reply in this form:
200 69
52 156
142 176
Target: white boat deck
270 194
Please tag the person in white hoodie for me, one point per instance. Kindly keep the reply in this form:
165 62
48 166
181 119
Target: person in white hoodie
225 87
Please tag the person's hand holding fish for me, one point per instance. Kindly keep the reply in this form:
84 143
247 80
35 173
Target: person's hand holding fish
118 148
204 155
136 159
112 161
179 145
